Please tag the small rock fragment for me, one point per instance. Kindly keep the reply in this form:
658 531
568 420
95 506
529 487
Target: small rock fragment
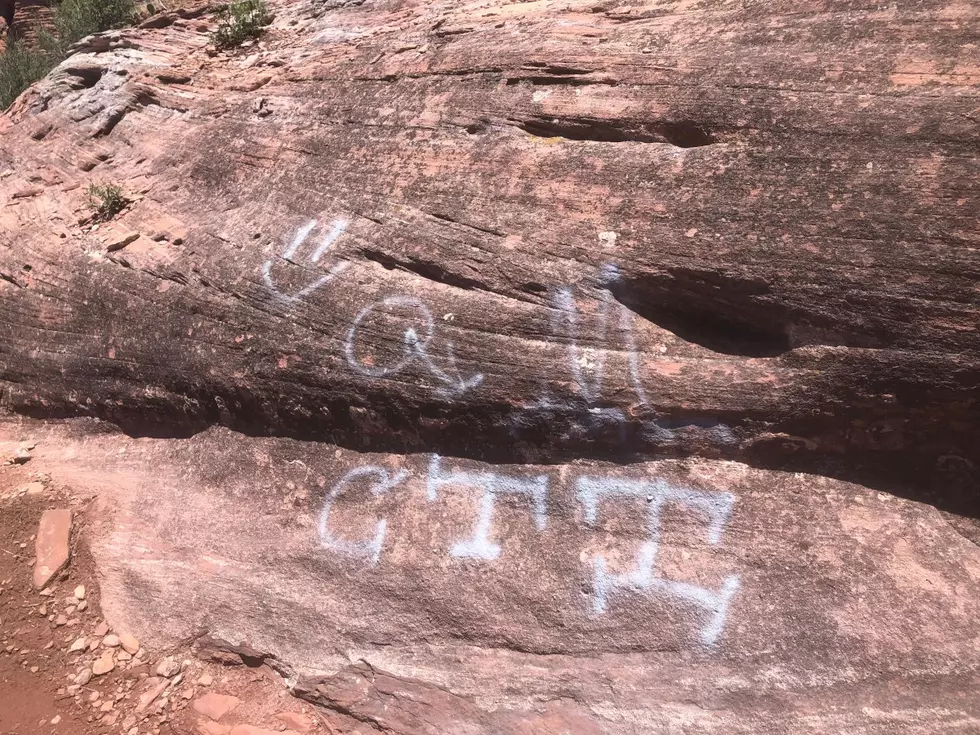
110 641
104 663
129 643
146 699
101 629
80 644
80 592
56 719
51 546
84 678
206 680
168 667
120 239
215 706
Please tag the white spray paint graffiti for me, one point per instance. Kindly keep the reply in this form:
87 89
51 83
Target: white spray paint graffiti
588 368
642 579
369 548
325 243
491 484
415 348
716 506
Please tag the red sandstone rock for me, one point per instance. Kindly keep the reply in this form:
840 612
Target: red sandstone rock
52 546
297 721
26 17
528 367
214 705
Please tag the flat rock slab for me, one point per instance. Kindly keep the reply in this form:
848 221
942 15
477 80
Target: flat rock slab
214 705
52 546
432 594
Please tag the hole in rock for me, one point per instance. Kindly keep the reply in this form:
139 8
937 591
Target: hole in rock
680 134
723 313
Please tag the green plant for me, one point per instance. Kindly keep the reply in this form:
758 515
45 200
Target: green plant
240 21
75 19
107 200
20 67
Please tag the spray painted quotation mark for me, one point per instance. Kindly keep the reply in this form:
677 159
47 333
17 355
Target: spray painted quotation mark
337 229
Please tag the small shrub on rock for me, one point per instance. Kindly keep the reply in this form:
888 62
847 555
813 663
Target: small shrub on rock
75 19
107 200
20 67
240 21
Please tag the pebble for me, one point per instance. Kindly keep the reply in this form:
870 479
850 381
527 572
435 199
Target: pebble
80 592
79 645
206 680
104 664
168 667
110 641
101 629
84 678
129 643
56 719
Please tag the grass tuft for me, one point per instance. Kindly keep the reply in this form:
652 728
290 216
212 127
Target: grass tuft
240 21
107 200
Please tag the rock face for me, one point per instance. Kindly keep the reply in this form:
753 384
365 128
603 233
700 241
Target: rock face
23 18
561 366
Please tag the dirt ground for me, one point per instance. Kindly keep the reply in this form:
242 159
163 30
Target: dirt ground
50 640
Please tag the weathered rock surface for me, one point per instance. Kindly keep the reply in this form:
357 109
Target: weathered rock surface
23 18
560 366
425 594
538 231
